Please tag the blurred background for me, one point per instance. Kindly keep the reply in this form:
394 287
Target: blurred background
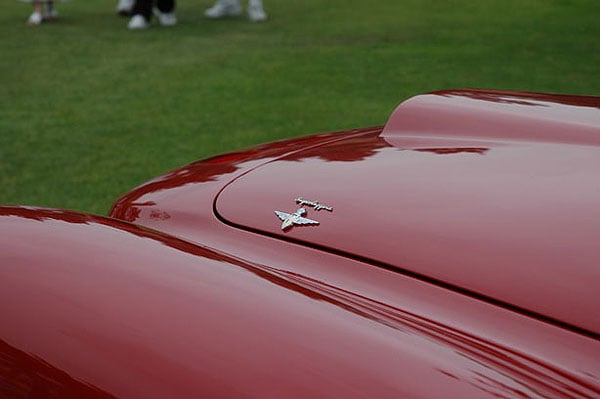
88 109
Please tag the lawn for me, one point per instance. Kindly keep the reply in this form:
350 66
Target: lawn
89 109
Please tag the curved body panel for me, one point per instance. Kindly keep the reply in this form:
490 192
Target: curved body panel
155 316
516 221
490 193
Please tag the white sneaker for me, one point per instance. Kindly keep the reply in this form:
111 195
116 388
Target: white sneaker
256 13
35 19
138 22
223 9
165 18
125 7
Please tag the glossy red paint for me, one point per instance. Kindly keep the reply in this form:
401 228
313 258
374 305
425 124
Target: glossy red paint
373 302
101 308
516 221
479 114
496 196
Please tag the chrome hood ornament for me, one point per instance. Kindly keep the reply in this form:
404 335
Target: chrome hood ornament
297 218
292 219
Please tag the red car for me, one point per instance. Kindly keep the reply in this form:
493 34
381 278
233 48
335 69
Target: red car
452 253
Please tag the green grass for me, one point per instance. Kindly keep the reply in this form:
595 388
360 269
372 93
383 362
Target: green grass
89 110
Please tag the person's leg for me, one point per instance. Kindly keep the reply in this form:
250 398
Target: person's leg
166 6
143 8
36 17
50 12
165 12
142 12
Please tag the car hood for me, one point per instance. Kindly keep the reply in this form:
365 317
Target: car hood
494 194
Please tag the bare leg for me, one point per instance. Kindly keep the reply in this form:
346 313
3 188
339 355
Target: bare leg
37 16
37 7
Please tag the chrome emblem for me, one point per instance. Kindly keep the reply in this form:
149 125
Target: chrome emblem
292 219
297 218
315 204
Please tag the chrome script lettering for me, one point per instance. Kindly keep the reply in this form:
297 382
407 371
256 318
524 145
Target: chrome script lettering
315 204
